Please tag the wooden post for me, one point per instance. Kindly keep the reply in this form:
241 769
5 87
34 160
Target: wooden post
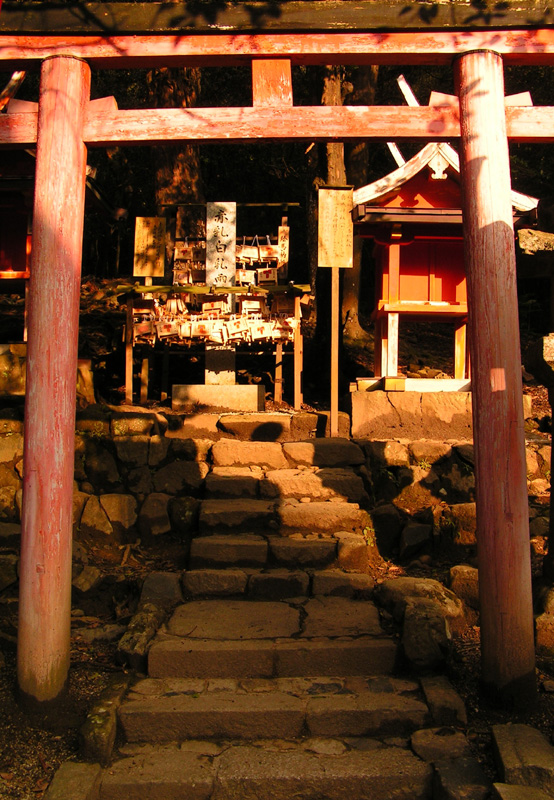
460 350
47 519
298 345
334 405
507 648
129 351
278 391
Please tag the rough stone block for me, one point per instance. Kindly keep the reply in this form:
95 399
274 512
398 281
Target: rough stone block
132 450
213 715
153 517
214 582
414 415
181 477
324 453
320 517
11 447
162 589
464 582
367 714
121 510
506 791
524 755
133 423
99 730
190 449
233 453
460 778
94 519
232 482
415 536
338 616
159 775
440 744
387 453
74 781
353 553
302 552
234 619
135 643
425 634
193 426
228 550
256 427
360 656
8 570
336 583
324 484
445 704
231 397
394 593
218 515
429 451
174 657
278 584
251 774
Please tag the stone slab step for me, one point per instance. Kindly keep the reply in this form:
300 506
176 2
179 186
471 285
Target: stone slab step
174 710
251 550
275 584
249 638
286 515
172 656
279 771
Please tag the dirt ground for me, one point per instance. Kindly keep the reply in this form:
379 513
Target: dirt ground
32 748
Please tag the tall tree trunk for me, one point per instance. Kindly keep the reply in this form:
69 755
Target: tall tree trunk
178 177
357 159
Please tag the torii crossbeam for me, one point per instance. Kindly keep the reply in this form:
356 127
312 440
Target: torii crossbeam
66 123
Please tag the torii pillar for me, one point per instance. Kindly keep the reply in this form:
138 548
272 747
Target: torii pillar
507 646
46 537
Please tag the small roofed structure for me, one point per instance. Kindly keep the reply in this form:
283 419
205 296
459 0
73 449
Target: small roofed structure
414 217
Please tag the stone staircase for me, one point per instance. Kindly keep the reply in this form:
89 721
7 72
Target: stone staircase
273 677
270 699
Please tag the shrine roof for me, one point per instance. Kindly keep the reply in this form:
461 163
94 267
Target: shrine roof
441 158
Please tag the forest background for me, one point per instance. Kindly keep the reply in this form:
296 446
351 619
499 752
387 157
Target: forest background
148 181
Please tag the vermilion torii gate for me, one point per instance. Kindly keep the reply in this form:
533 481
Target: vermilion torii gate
67 123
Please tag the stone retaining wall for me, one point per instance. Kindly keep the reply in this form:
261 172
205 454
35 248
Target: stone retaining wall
142 474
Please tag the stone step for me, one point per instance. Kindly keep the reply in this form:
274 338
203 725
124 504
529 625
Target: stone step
327 483
158 711
275 584
249 638
175 657
251 550
283 515
274 771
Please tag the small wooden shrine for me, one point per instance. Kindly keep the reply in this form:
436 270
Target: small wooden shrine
414 216
225 291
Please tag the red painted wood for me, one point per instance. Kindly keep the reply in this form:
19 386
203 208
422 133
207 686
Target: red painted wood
501 483
45 569
531 47
312 123
271 82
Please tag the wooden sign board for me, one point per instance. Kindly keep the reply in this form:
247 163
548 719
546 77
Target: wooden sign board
149 247
221 241
283 239
335 239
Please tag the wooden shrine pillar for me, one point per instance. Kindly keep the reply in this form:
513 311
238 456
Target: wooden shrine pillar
46 540
507 647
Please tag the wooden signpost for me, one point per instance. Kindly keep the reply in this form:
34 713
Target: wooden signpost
335 247
221 242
